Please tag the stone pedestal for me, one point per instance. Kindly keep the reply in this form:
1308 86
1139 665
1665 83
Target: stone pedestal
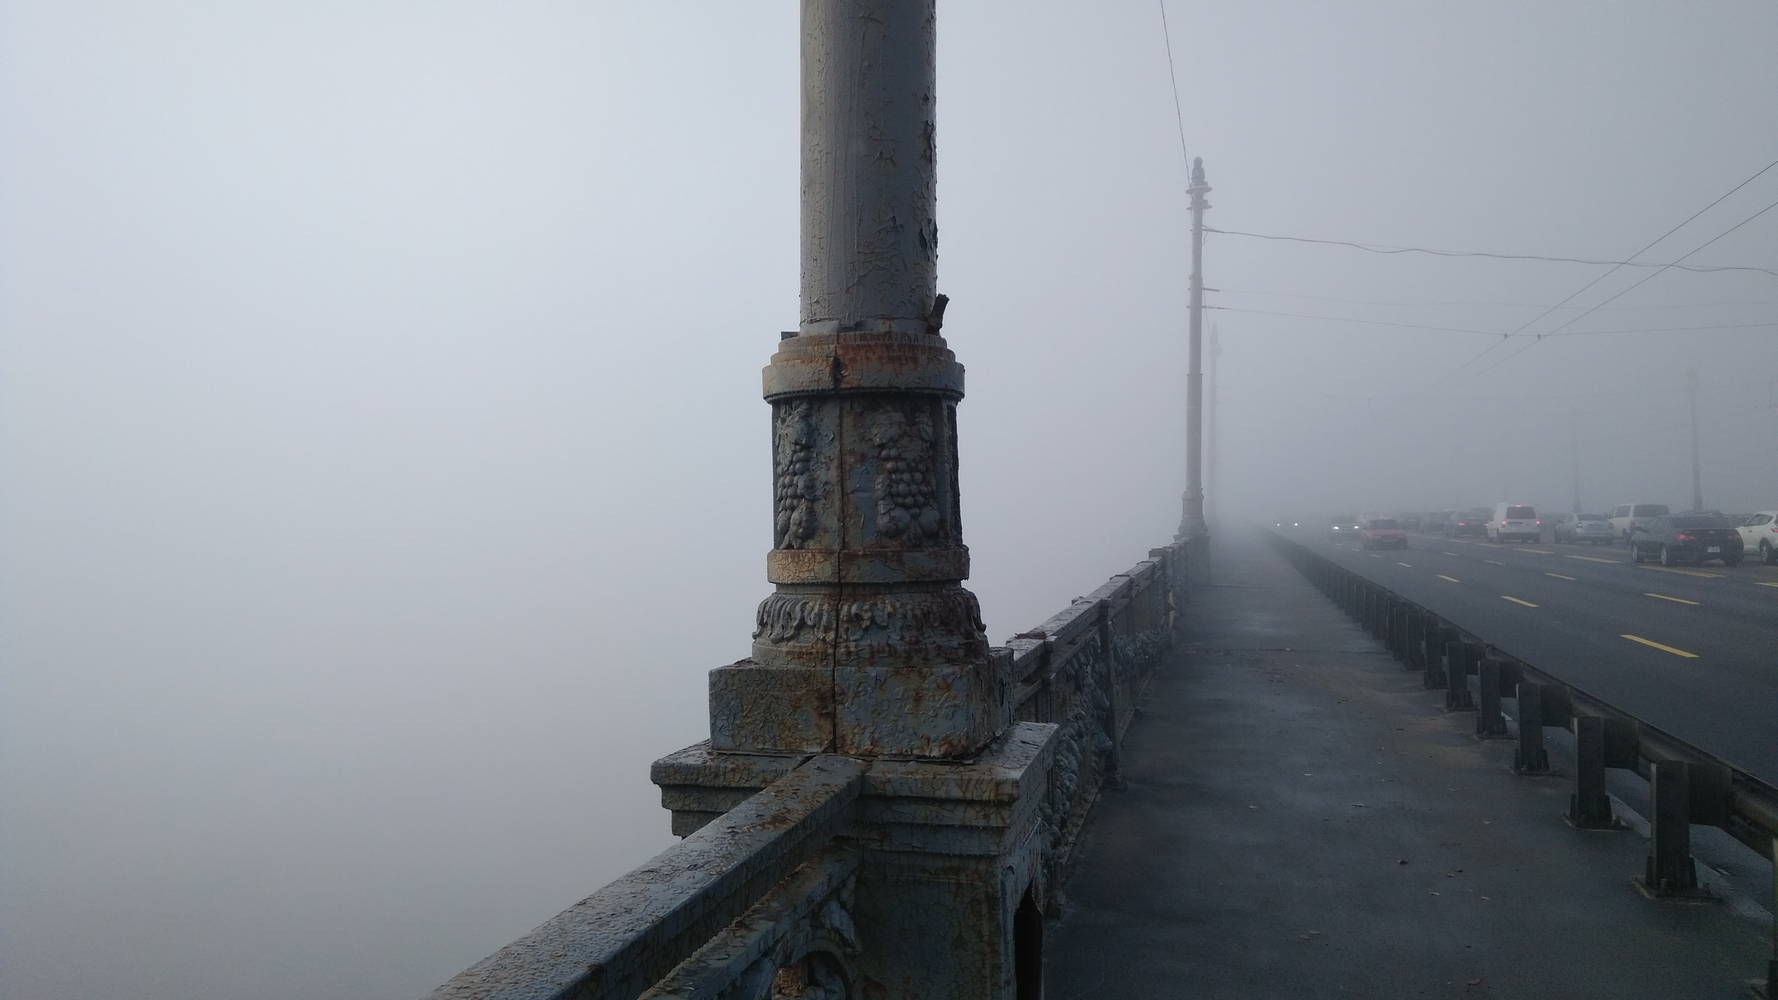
953 854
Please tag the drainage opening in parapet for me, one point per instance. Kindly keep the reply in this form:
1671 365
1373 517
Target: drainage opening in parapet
817 976
1027 945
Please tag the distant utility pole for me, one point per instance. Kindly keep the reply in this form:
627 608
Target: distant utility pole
1574 448
1213 483
1191 526
1691 391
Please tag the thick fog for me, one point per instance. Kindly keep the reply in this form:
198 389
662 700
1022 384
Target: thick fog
380 422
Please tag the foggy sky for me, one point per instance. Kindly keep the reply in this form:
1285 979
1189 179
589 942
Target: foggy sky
384 461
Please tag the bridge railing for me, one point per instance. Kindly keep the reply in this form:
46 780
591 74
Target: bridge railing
755 901
1687 784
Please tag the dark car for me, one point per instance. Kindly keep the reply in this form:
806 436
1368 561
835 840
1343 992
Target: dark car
1685 538
1342 526
1472 522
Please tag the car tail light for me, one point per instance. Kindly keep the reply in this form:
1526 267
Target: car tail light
1686 536
1540 522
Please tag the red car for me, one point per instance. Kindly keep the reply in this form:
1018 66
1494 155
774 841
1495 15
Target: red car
1382 533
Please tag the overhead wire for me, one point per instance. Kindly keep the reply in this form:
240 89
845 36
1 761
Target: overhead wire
1654 274
1173 78
1491 333
1557 332
1628 262
1383 248
1471 303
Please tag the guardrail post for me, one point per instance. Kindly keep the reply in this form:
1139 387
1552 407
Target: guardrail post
1531 757
1670 873
1489 723
1415 641
1398 631
1457 678
1434 677
1768 988
1380 615
1589 808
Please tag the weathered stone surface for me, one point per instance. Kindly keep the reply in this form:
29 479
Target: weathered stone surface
756 707
921 711
628 935
802 927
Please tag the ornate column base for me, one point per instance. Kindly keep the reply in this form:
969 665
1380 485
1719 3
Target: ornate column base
942 711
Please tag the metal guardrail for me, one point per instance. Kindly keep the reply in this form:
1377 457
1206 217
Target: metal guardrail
1687 784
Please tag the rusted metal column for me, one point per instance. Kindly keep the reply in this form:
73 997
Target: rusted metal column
870 645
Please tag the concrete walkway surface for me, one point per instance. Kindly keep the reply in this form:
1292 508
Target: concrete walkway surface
1301 819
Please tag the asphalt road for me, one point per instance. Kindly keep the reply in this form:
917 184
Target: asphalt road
1692 650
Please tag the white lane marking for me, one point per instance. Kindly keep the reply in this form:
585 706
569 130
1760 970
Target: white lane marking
1400 563
1675 600
1448 553
1766 583
1594 559
1539 552
1493 562
1453 579
1557 575
1515 600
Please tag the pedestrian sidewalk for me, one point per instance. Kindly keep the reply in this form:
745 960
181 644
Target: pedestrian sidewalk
1301 819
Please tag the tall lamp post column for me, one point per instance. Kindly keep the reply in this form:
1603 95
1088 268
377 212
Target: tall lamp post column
1192 528
869 645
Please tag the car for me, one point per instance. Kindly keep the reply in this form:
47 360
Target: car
1382 533
1678 538
1759 534
1514 522
1594 529
1286 523
1471 522
1342 526
1625 514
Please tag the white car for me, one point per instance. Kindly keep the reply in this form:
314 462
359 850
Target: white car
1759 536
1514 521
1626 514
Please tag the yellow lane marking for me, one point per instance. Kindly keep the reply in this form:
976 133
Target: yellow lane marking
1685 572
1557 575
1453 579
1493 562
1675 600
1663 647
1539 552
1596 559
1517 601
1400 563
